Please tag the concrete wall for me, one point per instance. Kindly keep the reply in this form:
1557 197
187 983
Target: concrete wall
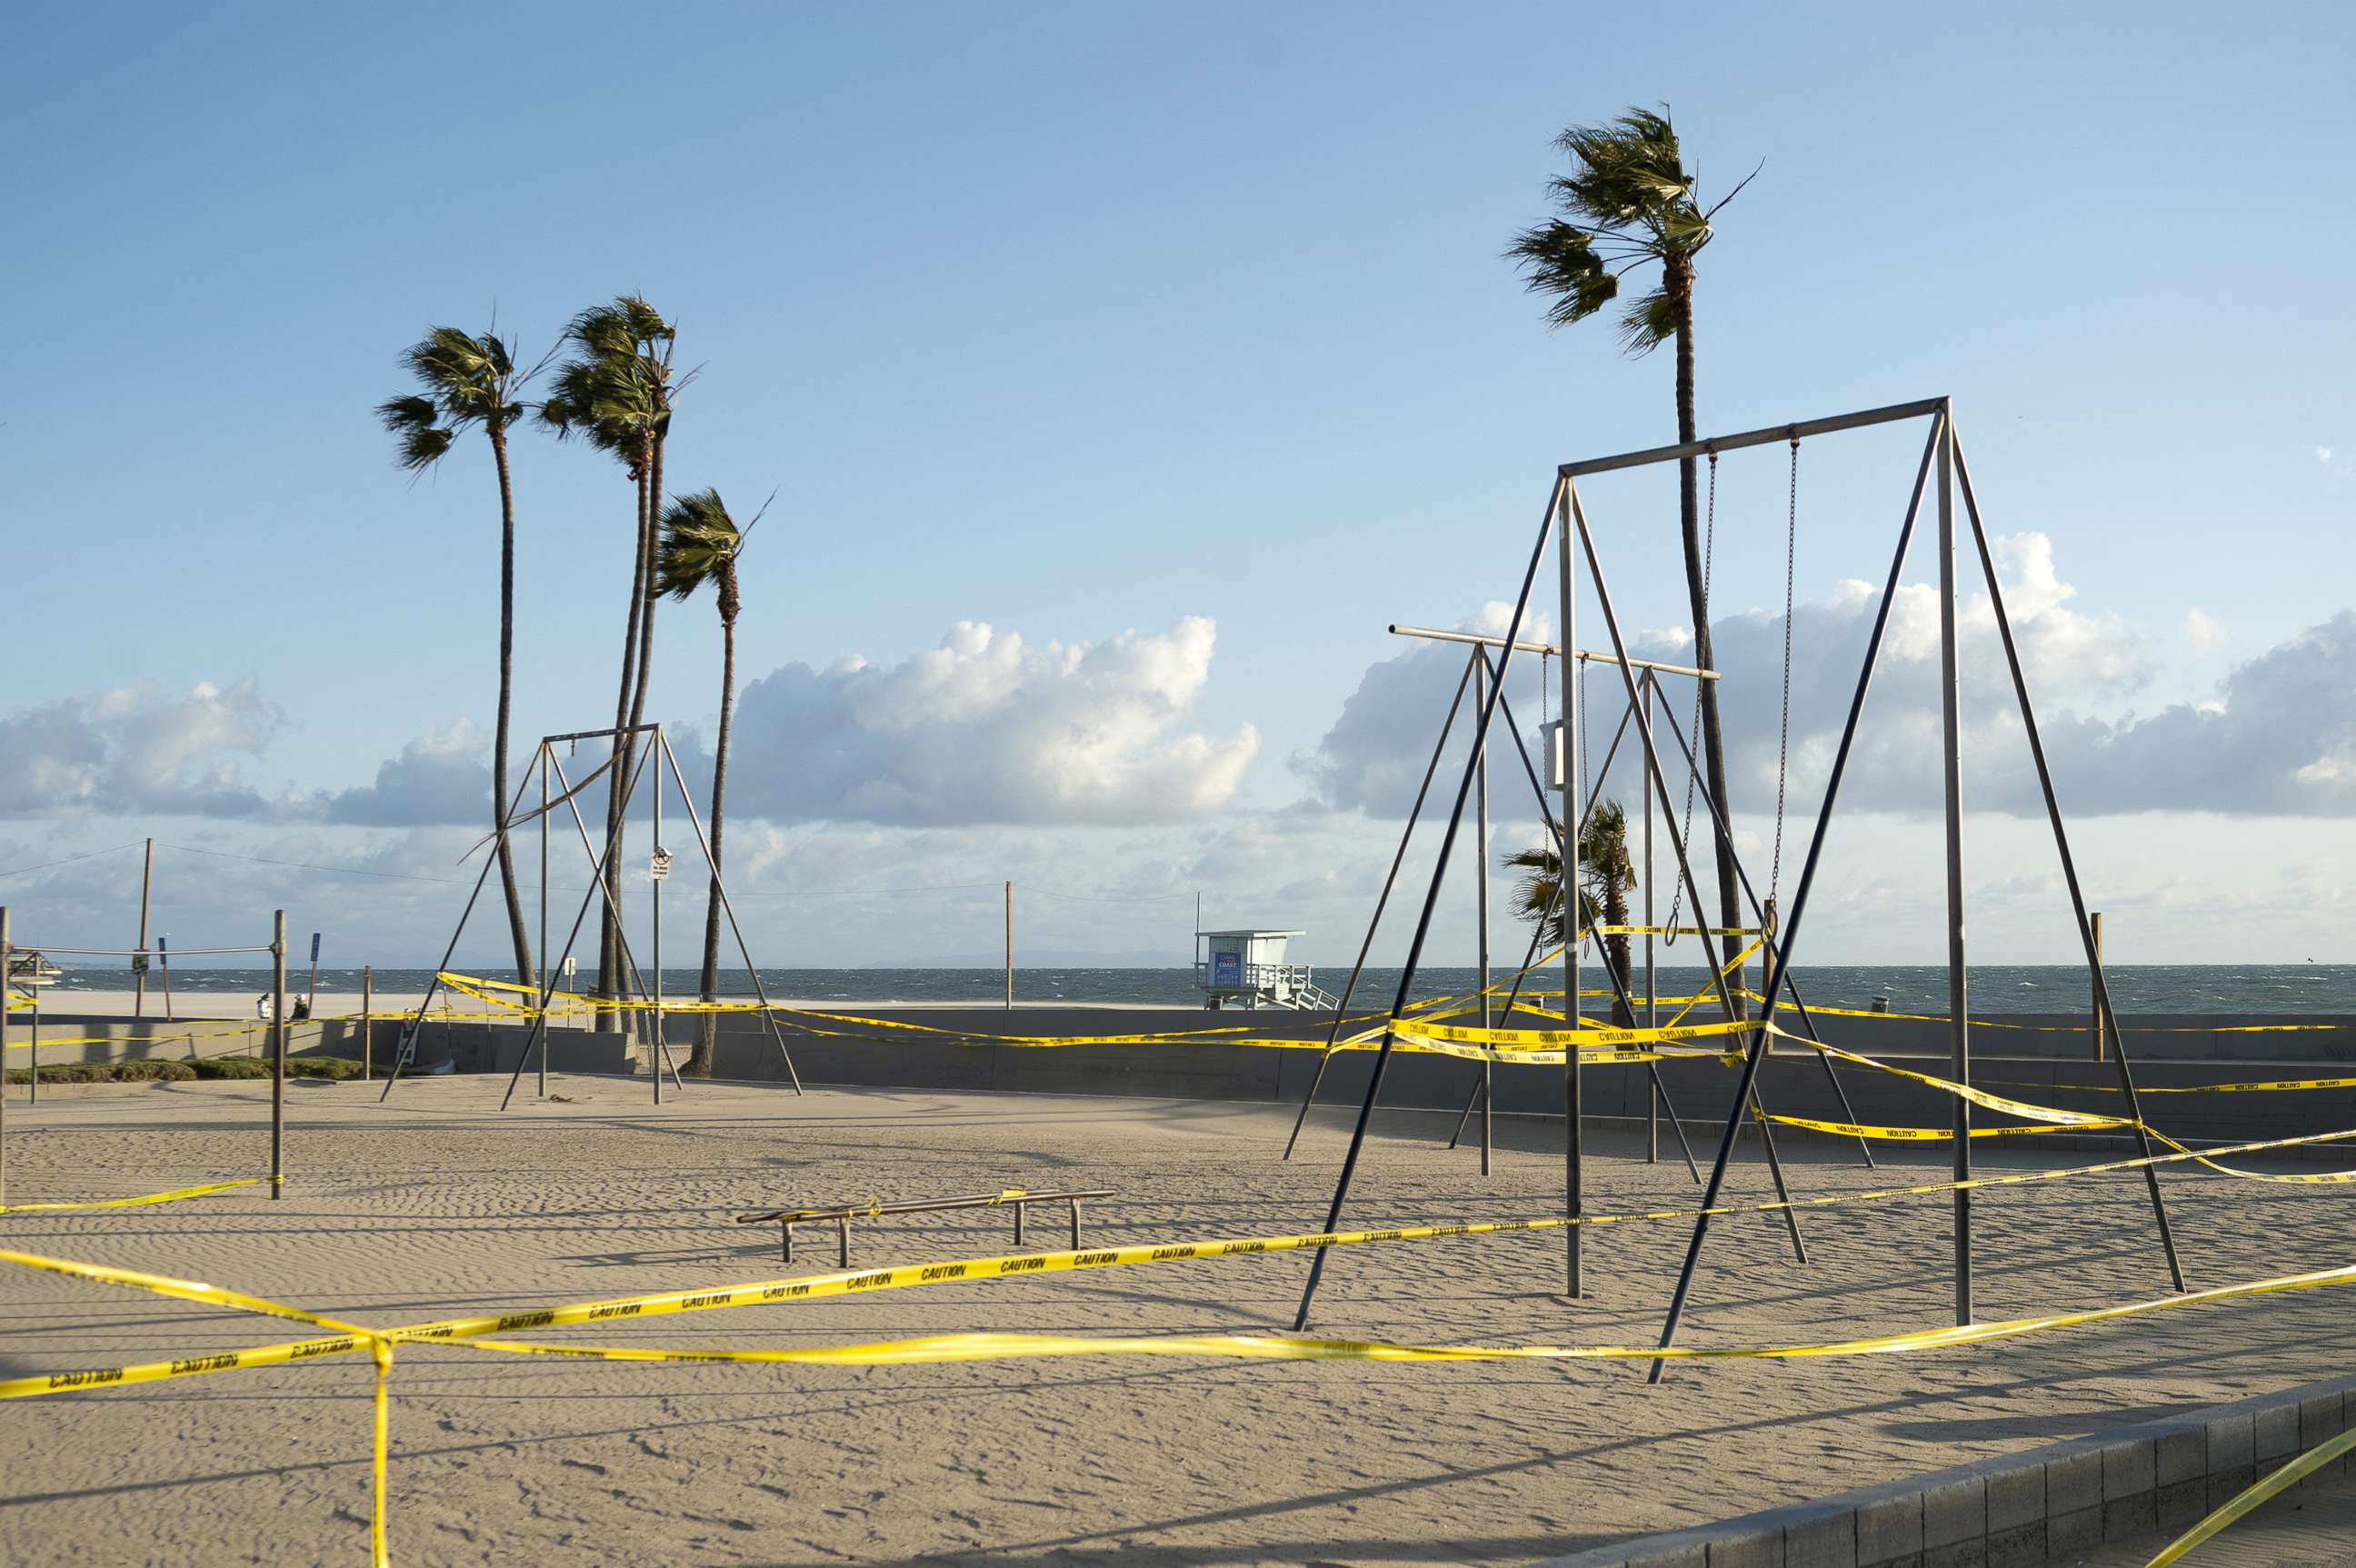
2026 1510
1793 1082
474 1048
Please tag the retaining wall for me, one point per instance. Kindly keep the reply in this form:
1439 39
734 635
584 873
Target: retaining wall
2023 1510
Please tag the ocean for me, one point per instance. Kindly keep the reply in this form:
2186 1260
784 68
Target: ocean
2242 990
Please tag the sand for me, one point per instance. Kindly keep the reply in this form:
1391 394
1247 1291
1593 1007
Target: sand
436 1204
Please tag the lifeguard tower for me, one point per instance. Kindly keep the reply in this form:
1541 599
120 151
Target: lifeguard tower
1247 969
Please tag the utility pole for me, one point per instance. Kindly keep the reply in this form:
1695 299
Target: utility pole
139 965
1010 943
2095 979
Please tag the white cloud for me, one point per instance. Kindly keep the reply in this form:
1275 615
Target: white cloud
134 750
444 775
989 727
1374 755
2203 630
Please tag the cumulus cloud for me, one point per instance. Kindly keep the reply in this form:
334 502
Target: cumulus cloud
991 728
138 749
442 776
1374 757
2202 629
2278 737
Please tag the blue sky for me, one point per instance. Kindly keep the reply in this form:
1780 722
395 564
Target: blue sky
1079 321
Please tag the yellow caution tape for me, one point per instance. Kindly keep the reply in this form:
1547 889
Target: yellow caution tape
2250 1497
174 1196
1260 1346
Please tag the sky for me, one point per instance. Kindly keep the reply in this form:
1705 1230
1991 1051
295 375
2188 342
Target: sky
1120 374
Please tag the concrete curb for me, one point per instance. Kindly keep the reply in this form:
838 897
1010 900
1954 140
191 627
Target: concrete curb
2020 1510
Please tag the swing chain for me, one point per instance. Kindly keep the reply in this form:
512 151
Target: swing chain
1783 725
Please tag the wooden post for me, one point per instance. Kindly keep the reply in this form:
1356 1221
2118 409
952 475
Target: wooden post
1009 944
139 965
278 1055
2097 1029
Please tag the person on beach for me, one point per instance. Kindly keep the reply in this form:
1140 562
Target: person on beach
262 1007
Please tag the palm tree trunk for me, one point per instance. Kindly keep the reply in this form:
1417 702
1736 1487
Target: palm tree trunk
1679 282
506 690
699 1061
646 600
1615 951
609 961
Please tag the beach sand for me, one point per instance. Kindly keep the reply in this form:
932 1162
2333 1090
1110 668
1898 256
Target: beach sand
436 1204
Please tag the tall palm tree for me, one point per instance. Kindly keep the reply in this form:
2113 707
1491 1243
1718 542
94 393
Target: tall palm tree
473 383
1606 875
1627 204
615 391
700 544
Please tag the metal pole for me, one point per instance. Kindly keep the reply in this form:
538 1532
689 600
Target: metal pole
416 1032
654 896
163 963
1010 943
543 901
368 1029
1951 776
278 1055
760 992
1761 912
1555 500
4 988
33 1077
2070 872
1481 884
139 975
597 863
1651 980
1756 1054
1390 878
311 992
1573 912
2094 989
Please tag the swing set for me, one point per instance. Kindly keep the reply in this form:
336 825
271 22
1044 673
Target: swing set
1941 474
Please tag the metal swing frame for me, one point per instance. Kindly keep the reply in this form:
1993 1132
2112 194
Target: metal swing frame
628 753
1564 518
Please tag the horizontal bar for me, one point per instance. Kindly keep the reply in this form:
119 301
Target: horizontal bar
972 1200
1801 431
132 952
1583 656
599 733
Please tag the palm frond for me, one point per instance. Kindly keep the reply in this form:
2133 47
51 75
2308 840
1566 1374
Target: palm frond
700 541
1646 324
1561 263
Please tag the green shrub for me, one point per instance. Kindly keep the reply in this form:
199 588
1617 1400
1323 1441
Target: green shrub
143 1071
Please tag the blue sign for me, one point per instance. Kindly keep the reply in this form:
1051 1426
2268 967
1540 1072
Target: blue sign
314 947
1227 969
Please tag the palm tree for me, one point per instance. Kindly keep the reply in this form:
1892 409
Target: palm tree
470 383
1606 875
614 392
1627 204
700 544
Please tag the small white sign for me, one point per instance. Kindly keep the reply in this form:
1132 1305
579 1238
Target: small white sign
572 964
659 865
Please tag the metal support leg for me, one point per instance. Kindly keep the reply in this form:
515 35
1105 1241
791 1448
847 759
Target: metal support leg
1430 904
1018 1227
842 1242
1076 1225
1776 971
2087 933
787 1227
1342 1009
